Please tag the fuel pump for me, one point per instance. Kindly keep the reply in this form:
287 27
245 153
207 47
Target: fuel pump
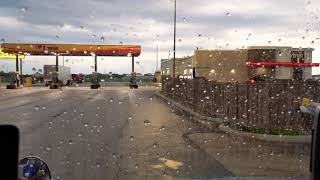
95 80
14 80
313 108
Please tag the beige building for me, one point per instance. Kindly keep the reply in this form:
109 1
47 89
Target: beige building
244 64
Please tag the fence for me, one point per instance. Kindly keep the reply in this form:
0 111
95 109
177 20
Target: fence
270 105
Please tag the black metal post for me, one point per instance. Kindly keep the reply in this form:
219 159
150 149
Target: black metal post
193 73
96 67
57 63
17 70
132 68
133 83
315 150
96 63
174 39
95 79
21 79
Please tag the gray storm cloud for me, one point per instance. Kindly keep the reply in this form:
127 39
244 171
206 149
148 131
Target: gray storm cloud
201 24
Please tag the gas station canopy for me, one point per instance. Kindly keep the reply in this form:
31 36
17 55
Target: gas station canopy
4 55
72 49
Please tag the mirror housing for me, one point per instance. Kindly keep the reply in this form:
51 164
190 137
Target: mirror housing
33 168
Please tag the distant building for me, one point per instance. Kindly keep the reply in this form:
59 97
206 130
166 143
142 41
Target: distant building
257 63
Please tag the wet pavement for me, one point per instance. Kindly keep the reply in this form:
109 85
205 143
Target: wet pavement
111 133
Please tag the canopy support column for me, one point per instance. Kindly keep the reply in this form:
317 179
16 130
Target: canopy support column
14 76
95 81
133 83
21 78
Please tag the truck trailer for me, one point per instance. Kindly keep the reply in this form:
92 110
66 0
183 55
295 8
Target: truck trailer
63 76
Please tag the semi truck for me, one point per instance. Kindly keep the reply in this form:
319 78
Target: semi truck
63 76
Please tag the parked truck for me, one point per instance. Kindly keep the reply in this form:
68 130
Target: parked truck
63 76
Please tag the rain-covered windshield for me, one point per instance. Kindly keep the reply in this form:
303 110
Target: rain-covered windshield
158 89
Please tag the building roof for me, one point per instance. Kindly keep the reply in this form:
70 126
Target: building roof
277 47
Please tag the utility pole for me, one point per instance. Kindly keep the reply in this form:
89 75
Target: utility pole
157 65
174 38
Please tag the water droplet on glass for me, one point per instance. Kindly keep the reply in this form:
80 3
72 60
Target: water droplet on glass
36 108
162 128
48 149
82 114
228 14
70 142
147 123
24 9
111 100
85 124
154 145
43 107
131 138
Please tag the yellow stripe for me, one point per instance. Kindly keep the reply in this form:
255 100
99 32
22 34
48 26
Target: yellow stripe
4 55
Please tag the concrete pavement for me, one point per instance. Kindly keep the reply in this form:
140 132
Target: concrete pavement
111 133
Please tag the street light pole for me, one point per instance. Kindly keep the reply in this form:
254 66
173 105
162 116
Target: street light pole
157 63
174 38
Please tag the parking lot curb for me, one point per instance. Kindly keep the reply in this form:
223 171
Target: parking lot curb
217 124
303 139
209 122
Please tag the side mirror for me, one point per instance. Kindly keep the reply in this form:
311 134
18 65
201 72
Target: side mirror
313 108
33 168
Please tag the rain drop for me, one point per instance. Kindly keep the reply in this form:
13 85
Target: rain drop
162 128
23 9
147 123
154 145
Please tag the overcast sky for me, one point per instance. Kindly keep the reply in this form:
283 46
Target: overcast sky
206 24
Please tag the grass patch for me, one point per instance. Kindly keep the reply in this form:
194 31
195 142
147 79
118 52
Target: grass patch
269 131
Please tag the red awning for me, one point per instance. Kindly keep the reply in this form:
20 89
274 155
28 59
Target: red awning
285 64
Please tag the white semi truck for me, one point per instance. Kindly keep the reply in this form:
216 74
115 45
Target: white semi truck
63 75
